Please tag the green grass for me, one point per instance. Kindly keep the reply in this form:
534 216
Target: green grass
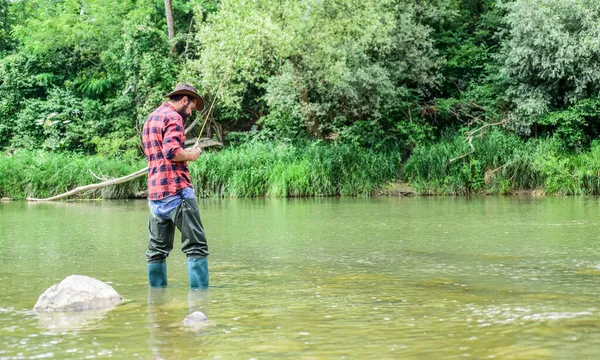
503 164
285 170
250 170
42 174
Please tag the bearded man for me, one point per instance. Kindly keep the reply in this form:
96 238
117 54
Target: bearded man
171 195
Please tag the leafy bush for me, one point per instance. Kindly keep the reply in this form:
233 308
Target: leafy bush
311 68
550 55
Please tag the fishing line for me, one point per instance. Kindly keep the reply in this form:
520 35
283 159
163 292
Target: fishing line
212 105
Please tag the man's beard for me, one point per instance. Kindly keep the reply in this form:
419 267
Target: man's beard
183 114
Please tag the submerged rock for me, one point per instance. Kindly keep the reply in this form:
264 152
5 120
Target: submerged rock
195 318
78 293
59 322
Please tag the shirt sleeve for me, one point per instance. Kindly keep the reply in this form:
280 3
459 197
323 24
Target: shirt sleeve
174 138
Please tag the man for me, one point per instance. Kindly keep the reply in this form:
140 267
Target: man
170 193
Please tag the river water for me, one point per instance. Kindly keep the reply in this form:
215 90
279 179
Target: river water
383 278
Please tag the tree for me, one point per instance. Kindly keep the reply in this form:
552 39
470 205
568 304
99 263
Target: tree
551 57
83 74
4 26
313 67
169 16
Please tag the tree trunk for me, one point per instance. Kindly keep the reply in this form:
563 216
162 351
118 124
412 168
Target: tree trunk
169 13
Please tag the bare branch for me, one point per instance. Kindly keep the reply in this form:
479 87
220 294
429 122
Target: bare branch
499 168
104 178
110 182
95 186
187 40
470 140
475 132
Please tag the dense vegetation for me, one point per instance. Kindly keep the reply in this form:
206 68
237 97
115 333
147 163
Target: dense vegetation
248 170
453 96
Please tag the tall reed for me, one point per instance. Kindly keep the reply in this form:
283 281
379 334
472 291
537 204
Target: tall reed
43 174
250 170
286 170
503 164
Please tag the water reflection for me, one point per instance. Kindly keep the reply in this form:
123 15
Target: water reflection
72 322
198 300
164 334
157 298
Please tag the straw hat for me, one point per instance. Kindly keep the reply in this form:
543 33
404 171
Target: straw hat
189 90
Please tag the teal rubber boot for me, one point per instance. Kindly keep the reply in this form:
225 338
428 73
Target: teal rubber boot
157 274
198 272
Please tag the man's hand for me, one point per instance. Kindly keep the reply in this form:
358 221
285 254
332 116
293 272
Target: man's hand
195 153
191 154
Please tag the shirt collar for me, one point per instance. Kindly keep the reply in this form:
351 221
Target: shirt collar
166 103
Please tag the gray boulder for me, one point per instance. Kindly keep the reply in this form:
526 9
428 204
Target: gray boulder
195 318
78 293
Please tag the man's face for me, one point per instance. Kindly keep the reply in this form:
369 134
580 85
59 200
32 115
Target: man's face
189 105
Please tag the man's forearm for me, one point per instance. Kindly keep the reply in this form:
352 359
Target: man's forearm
183 155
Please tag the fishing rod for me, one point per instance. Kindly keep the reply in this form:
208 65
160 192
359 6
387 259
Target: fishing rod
212 105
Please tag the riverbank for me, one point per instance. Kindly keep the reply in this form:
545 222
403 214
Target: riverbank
392 189
500 165
403 189
503 164
249 170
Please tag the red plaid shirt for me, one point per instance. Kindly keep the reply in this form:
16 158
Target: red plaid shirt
163 138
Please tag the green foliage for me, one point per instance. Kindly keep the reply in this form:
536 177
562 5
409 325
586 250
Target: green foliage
450 166
401 136
468 40
4 27
575 126
85 75
251 170
550 56
42 174
272 169
503 164
364 77
472 83
317 66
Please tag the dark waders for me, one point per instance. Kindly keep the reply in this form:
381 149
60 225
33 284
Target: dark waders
161 233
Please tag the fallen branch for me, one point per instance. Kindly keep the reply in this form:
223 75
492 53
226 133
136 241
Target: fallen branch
488 176
499 168
470 140
95 186
204 143
137 174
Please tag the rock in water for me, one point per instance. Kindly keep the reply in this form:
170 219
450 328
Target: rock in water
78 293
195 318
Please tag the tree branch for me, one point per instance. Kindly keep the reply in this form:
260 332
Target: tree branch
141 172
95 186
475 132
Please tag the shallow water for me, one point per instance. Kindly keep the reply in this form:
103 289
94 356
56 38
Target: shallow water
387 278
